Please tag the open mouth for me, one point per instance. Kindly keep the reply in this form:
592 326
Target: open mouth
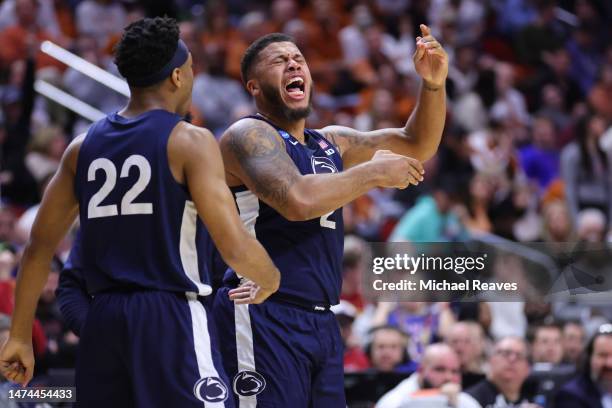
295 88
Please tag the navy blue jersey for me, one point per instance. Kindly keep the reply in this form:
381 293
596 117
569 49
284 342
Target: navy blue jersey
139 227
307 253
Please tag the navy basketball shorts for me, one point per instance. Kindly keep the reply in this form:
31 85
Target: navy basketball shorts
279 355
150 349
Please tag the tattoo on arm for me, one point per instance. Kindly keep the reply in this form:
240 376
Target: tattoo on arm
264 160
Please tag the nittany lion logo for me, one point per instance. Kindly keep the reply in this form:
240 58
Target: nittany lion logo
249 383
322 165
210 389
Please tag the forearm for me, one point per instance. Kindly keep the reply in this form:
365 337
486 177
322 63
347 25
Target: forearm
251 260
31 279
426 123
319 194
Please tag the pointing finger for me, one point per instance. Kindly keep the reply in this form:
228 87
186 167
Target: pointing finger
424 30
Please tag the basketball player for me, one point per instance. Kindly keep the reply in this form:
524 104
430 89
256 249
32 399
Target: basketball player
139 179
289 184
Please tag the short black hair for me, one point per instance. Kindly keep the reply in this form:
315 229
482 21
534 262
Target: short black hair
146 46
250 55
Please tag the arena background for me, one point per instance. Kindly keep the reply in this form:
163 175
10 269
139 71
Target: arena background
525 155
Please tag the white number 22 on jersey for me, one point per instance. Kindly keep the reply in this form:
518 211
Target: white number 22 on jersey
128 207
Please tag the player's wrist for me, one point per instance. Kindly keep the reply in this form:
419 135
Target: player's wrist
433 86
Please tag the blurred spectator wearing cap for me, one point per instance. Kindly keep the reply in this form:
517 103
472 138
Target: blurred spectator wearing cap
547 346
388 350
354 357
593 387
574 338
585 168
508 369
437 383
468 341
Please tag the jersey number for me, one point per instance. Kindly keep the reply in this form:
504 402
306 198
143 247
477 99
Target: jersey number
327 223
95 210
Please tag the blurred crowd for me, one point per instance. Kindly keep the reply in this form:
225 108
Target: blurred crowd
526 157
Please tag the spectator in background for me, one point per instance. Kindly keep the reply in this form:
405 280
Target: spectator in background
354 264
439 375
591 225
585 168
540 160
573 342
87 89
468 341
7 224
508 370
431 219
22 39
45 15
101 19
424 322
600 96
217 98
593 387
354 357
388 350
547 346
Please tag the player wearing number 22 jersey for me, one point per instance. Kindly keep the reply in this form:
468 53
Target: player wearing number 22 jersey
151 195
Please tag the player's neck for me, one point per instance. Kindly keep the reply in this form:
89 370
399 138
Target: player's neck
139 104
293 127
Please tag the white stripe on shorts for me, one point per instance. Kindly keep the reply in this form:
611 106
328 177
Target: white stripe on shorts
201 340
244 350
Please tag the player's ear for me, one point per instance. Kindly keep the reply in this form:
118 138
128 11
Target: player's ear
253 87
175 78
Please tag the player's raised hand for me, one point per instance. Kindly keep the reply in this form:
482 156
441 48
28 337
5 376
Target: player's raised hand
430 59
397 171
17 361
248 293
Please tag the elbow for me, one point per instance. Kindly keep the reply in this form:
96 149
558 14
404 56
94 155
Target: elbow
298 208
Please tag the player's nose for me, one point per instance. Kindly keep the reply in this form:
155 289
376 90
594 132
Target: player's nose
293 65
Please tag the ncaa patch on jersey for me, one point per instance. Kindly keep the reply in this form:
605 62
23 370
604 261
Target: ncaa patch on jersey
248 383
210 389
321 165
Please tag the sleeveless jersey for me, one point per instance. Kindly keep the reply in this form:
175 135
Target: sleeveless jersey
139 227
307 253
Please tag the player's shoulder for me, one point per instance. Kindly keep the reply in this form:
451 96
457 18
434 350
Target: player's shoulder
188 136
248 129
71 154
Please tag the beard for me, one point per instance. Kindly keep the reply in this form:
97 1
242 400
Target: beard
274 100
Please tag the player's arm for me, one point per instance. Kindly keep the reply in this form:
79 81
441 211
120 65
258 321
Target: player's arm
254 153
421 135
204 175
57 212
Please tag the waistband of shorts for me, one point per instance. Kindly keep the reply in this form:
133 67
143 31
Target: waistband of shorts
318 307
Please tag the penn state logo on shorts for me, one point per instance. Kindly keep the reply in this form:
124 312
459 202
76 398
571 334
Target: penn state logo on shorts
248 383
210 389
321 165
